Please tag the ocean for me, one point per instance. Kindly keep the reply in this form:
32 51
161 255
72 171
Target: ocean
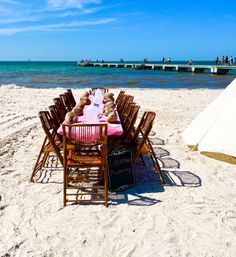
69 75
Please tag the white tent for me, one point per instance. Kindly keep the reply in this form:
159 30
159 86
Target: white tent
213 131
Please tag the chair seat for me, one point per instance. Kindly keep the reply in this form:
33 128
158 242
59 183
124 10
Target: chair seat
132 146
83 160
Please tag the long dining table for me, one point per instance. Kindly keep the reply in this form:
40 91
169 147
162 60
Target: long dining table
113 129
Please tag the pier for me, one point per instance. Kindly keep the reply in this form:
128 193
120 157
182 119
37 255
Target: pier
214 69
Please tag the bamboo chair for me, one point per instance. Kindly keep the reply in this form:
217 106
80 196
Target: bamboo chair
50 143
61 108
140 144
71 96
103 89
85 163
65 98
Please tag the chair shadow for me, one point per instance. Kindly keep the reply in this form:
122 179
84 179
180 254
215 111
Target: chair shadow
148 181
47 173
172 171
160 151
184 178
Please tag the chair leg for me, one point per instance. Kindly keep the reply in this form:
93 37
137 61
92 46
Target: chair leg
64 186
158 168
106 189
39 163
155 162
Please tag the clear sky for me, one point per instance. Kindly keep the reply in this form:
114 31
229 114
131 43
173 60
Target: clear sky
110 30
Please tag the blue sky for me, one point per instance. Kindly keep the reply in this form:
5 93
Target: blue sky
109 29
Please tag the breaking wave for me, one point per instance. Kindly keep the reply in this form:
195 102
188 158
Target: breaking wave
10 86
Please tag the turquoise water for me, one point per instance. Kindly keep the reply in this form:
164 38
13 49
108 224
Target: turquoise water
69 75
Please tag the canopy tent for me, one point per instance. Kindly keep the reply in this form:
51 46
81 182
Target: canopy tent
213 131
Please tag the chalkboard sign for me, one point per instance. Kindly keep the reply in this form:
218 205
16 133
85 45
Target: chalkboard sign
120 170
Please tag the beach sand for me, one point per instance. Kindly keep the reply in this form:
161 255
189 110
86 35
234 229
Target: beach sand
195 215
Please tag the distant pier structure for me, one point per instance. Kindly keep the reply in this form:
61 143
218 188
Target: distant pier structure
214 69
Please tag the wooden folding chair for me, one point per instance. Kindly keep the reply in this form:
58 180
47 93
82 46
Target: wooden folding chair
50 144
85 163
61 108
142 143
129 121
120 97
55 114
139 143
126 110
65 98
126 99
71 96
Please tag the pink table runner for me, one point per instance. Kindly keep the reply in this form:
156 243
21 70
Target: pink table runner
113 128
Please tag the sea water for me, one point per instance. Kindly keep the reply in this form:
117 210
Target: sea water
69 75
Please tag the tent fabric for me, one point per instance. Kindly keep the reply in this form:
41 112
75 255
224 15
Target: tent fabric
213 131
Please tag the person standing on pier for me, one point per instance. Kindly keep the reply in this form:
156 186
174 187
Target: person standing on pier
163 60
217 60
226 60
169 60
223 60
190 62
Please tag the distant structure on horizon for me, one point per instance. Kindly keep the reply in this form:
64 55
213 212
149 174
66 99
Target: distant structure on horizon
189 67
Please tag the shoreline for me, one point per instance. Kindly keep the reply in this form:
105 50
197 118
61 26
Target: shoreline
194 217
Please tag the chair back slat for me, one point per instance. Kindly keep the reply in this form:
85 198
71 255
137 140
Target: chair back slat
126 109
130 120
46 120
85 134
50 130
71 96
55 114
126 99
120 97
61 108
143 130
65 98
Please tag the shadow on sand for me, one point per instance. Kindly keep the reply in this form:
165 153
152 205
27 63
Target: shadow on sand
147 181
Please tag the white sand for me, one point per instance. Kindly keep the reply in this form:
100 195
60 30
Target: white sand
194 218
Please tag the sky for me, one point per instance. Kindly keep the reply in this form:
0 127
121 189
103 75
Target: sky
71 30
